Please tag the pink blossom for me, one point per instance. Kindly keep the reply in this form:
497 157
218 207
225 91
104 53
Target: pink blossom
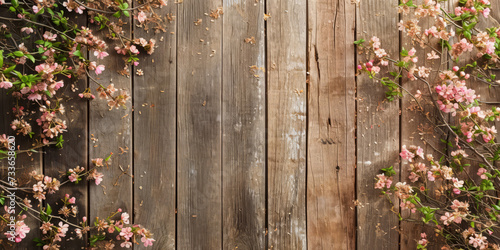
481 172
125 218
147 241
127 233
134 50
375 41
100 54
141 17
20 232
430 176
98 178
72 200
486 12
478 241
406 155
35 9
99 69
383 181
126 244
432 55
5 84
49 36
27 30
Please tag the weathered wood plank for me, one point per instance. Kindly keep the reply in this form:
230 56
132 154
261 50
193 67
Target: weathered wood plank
286 65
25 163
74 152
417 129
331 165
377 132
155 136
244 128
109 130
199 198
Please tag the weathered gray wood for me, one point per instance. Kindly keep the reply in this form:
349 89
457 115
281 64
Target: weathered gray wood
244 109
286 65
199 68
331 165
155 136
377 132
109 130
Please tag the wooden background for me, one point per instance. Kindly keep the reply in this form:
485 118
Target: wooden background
272 144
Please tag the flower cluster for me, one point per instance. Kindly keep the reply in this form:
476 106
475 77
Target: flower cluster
42 51
458 191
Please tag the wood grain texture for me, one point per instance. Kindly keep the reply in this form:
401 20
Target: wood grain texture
199 68
74 152
286 64
155 136
331 165
417 129
25 163
244 109
377 132
109 130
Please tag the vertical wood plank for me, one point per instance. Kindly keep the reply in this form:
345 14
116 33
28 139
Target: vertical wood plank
417 130
331 165
286 65
25 163
74 152
155 136
243 125
377 131
199 68
109 130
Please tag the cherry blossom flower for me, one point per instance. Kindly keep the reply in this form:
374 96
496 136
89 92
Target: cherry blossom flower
481 172
49 36
432 55
147 241
100 54
5 84
406 155
27 30
99 69
141 17
383 181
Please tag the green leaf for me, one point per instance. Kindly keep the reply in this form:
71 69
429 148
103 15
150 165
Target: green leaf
30 57
360 41
126 13
78 53
8 70
2 201
49 210
18 53
15 3
117 14
389 171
